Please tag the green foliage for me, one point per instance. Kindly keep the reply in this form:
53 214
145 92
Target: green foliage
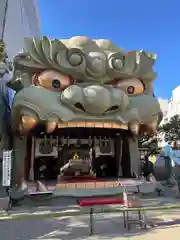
150 142
171 130
2 49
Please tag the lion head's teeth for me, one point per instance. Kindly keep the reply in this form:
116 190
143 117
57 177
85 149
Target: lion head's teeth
92 125
27 123
153 124
51 126
134 128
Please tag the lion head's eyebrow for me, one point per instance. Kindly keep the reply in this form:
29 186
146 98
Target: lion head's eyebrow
81 58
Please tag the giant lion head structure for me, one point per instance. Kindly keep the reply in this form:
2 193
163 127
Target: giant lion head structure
82 82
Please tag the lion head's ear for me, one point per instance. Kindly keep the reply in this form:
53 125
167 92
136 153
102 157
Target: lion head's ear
15 85
150 55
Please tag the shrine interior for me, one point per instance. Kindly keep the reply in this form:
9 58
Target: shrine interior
107 149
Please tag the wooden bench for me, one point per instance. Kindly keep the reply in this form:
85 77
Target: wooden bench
94 201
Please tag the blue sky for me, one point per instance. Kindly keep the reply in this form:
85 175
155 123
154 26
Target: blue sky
132 24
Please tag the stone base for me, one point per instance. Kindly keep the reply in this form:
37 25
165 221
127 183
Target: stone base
4 203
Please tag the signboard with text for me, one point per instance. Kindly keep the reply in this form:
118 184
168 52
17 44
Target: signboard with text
6 168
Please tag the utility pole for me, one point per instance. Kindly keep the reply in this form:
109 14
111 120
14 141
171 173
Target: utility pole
4 19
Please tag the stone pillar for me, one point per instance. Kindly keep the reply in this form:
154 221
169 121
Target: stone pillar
134 155
19 156
118 153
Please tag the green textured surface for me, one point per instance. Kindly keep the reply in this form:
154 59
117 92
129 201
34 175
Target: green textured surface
93 64
56 54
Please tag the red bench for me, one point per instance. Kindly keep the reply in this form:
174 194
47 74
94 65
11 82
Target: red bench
92 201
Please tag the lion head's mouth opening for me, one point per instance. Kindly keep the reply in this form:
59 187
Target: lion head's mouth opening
29 124
83 129
83 139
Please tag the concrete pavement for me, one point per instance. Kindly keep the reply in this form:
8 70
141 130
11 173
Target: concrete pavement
65 209
106 226
73 225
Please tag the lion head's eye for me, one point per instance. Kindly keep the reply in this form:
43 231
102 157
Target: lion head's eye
56 83
132 86
52 80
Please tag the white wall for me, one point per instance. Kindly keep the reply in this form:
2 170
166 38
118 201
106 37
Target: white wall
174 104
164 105
176 94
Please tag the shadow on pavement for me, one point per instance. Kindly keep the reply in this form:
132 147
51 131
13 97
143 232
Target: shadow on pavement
106 226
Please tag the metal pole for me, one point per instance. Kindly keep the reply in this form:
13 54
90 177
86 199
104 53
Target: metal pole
91 221
4 19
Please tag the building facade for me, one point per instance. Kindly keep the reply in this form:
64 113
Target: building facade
18 19
174 104
169 108
164 104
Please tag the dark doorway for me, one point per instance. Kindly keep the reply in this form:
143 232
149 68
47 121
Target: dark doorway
108 166
52 166
45 168
105 167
